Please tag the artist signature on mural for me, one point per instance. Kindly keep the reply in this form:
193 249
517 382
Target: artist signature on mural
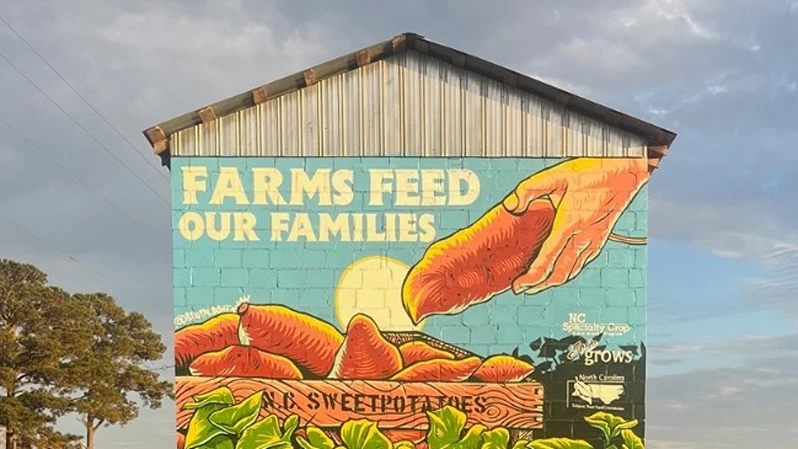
577 324
208 312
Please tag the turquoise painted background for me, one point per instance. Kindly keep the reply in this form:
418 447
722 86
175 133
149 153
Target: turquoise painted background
612 289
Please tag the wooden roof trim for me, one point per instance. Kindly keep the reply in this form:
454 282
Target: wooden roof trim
363 58
259 95
655 136
206 114
309 76
157 138
655 155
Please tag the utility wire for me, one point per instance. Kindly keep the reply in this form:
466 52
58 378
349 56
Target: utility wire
162 368
85 265
47 155
97 272
88 103
27 78
8 125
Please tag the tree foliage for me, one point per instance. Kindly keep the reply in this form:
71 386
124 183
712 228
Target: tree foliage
110 381
41 328
62 353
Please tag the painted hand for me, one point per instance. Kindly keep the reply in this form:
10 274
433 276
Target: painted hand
589 195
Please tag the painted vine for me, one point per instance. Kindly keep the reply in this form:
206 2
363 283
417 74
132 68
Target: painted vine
219 422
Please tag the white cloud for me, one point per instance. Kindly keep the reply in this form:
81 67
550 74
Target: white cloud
729 229
675 10
653 443
778 286
160 59
713 408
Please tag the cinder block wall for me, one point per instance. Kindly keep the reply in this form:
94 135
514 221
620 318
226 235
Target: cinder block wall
333 279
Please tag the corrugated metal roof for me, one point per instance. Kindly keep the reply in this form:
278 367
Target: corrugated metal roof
407 105
657 138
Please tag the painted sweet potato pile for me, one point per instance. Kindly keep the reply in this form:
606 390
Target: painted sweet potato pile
275 342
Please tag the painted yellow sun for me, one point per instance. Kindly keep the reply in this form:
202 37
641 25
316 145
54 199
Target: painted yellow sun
373 286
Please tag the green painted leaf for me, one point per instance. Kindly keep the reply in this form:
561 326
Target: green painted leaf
445 427
628 425
559 443
200 429
497 438
290 425
471 440
305 444
221 395
610 425
265 434
363 434
316 439
520 444
235 418
221 442
611 446
404 444
630 440
598 421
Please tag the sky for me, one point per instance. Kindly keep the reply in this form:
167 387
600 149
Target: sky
85 200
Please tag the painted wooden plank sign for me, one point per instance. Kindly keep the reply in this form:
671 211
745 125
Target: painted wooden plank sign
392 405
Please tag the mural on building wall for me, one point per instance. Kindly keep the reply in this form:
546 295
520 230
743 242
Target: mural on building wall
398 303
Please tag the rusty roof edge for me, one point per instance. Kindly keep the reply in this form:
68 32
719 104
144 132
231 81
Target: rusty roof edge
654 135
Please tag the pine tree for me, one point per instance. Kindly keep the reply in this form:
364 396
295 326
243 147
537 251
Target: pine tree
41 330
111 383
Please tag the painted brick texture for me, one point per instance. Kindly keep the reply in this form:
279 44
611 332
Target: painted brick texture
294 262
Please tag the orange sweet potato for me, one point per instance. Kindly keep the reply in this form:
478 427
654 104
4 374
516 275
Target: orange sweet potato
214 334
503 368
476 263
439 370
244 361
418 351
306 340
365 353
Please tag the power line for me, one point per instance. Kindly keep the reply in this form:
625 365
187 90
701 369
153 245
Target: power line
18 70
97 272
85 265
162 368
88 103
5 123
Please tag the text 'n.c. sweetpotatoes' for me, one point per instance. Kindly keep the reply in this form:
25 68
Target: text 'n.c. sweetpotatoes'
302 338
478 262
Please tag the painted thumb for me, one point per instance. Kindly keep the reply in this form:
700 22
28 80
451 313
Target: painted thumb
511 202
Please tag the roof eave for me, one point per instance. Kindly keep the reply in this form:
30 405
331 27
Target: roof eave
656 137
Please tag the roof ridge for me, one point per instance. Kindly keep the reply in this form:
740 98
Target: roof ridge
657 137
